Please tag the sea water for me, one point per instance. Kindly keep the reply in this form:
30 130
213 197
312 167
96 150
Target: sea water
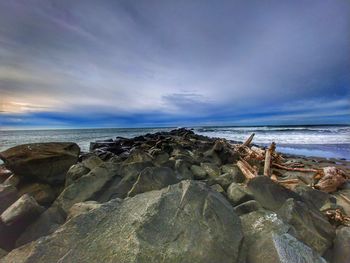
319 141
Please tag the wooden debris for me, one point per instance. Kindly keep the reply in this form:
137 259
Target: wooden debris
337 217
295 169
333 178
268 156
249 140
246 169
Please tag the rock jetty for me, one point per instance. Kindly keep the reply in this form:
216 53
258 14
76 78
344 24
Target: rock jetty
171 197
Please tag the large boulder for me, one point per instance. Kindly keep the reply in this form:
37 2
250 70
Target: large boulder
44 194
87 186
270 194
47 223
186 222
153 178
25 208
309 225
47 162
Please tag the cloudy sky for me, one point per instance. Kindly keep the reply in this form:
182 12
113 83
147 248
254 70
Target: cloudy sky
128 63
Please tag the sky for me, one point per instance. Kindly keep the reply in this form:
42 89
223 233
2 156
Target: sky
141 63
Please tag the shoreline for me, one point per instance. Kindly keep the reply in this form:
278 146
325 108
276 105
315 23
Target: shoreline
164 189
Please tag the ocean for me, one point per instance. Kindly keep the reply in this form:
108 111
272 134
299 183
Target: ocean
318 141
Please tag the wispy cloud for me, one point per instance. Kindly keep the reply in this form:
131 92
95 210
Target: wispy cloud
173 61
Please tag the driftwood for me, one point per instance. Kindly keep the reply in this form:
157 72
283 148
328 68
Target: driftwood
338 217
333 178
249 140
246 169
294 169
268 156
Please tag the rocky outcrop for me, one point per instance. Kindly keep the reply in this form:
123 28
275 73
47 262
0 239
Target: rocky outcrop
87 186
186 222
46 162
341 251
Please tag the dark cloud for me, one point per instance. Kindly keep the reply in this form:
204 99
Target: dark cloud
175 58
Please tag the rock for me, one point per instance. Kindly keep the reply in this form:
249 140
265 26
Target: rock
47 223
75 172
138 156
120 186
238 193
13 180
153 178
224 180
340 196
8 195
218 188
309 225
186 222
313 196
211 169
82 208
47 162
92 162
198 172
42 193
25 208
247 207
235 173
182 169
282 248
259 223
87 186
270 194
161 158
341 247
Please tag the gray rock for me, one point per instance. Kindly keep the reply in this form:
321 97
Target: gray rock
282 248
47 223
238 193
25 208
120 186
138 156
198 172
87 186
8 195
153 178
341 248
313 196
309 225
212 170
217 188
186 222
224 180
247 207
183 170
47 162
92 162
235 173
75 172
82 208
270 194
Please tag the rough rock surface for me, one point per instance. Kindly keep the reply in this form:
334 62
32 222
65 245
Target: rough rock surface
186 222
86 186
153 178
282 248
48 162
